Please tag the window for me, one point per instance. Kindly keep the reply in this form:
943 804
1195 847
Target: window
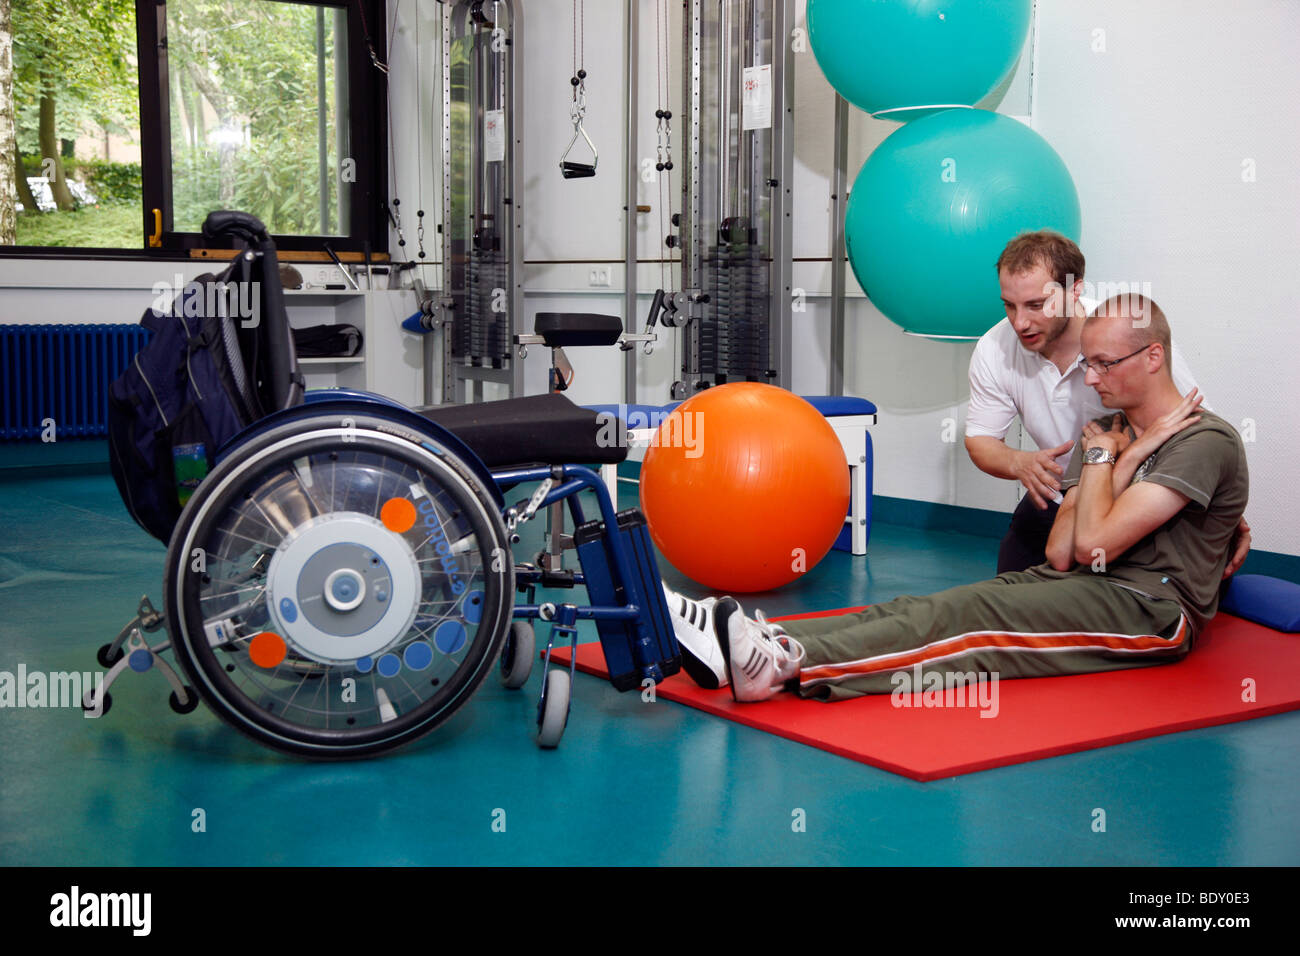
273 107
72 174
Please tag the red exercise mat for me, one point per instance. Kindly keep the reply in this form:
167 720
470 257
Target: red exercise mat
1037 717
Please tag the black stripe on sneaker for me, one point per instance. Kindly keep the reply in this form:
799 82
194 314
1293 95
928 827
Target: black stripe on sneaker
722 612
697 670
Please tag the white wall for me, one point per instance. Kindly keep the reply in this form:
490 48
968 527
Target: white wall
1155 131
1154 127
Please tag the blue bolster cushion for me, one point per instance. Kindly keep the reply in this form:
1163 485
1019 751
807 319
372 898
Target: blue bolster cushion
1269 601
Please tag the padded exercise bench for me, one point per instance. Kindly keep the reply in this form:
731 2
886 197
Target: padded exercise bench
848 416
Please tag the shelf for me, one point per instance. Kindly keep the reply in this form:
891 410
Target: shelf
321 297
331 360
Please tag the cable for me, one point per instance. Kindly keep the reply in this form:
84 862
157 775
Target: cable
394 209
663 118
419 142
579 56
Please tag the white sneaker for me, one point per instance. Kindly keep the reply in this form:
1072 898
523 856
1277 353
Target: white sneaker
759 657
697 637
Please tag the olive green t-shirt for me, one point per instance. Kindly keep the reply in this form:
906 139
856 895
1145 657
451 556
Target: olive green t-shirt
1183 559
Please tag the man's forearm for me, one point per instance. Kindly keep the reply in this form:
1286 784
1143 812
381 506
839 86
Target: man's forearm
992 456
1122 473
1060 541
1096 498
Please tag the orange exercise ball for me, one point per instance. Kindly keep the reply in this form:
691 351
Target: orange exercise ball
744 487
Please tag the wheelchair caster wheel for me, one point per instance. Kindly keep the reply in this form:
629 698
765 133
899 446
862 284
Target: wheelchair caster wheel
180 708
517 656
104 705
554 710
106 659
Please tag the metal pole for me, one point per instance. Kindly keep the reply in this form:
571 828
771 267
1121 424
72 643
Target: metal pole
724 108
514 54
839 201
629 208
783 193
447 374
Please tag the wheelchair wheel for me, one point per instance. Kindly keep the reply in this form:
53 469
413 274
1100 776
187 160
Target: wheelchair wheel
336 587
517 656
553 712
107 659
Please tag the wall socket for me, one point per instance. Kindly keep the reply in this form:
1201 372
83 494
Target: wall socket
319 276
599 277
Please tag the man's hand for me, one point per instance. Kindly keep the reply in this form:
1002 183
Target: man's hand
1140 449
1119 439
1241 542
1105 440
1040 474
1161 430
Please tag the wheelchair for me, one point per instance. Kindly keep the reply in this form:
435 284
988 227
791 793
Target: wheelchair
342 581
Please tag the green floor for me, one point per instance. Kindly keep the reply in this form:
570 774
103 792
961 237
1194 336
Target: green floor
632 783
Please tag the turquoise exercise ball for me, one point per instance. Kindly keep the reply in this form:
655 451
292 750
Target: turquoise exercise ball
891 55
933 207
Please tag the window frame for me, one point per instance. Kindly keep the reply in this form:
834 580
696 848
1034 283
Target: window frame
367 132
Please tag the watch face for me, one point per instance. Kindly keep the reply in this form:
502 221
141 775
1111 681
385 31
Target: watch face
1094 455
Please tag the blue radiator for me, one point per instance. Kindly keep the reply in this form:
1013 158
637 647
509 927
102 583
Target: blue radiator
61 373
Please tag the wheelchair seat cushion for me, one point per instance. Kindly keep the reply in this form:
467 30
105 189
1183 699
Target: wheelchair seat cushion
537 429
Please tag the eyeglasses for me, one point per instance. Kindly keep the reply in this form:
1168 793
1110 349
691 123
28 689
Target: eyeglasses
1101 368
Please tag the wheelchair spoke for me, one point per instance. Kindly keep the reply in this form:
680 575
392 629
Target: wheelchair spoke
299 466
260 590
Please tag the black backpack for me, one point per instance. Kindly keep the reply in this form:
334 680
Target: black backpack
219 359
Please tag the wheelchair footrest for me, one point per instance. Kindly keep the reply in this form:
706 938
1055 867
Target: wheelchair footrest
634 649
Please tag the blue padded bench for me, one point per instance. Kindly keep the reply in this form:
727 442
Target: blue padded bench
850 418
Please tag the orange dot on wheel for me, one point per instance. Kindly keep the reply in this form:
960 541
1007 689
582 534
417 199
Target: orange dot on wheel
398 515
267 649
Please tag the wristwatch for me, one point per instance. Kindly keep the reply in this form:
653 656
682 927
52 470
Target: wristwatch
1098 456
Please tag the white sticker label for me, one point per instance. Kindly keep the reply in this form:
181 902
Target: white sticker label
758 98
494 135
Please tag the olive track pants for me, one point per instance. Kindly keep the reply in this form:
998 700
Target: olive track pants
1015 625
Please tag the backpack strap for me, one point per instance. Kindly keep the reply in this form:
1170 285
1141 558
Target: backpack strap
250 407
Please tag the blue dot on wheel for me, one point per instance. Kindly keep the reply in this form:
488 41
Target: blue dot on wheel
418 655
450 636
140 660
473 607
365 665
389 665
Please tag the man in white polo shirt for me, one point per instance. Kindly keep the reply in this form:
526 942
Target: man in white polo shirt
1028 365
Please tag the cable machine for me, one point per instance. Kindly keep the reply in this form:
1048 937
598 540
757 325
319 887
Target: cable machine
482 297
735 225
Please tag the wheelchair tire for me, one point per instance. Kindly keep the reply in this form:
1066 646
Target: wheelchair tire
517 656
105 704
107 659
338 586
191 704
553 712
